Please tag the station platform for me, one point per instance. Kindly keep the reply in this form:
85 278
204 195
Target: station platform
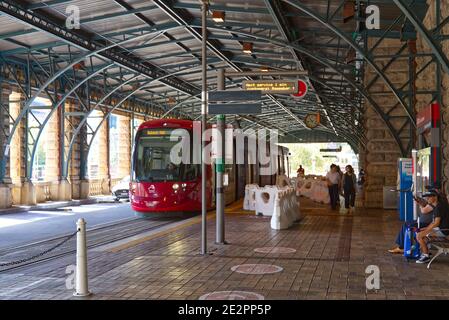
322 257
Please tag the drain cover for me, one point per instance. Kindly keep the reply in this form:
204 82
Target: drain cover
256 268
275 250
232 295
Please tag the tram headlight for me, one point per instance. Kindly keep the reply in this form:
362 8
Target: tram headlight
175 186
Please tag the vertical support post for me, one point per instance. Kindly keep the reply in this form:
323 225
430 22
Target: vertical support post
81 283
439 85
203 128
62 163
220 167
412 87
415 181
108 151
133 129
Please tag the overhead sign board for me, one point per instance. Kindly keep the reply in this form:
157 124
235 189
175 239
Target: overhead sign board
235 108
234 95
272 86
248 103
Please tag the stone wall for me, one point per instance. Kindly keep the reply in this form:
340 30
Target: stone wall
379 158
427 80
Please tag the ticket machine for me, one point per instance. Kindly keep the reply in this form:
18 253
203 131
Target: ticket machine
405 184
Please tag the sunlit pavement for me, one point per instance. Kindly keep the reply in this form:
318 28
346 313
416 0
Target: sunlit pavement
25 227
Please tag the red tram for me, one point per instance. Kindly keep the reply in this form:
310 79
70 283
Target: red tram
157 185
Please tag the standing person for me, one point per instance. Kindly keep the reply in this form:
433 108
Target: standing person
300 170
340 185
361 177
349 183
333 181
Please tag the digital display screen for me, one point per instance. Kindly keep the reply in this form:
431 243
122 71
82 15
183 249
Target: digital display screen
272 86
157 132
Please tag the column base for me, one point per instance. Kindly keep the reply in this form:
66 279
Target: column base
105 186
84 189
5 196
65 190
28 194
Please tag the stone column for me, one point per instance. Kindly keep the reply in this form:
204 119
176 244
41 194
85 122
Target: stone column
23 190
5 185
124 129
381 153
103 166
52 153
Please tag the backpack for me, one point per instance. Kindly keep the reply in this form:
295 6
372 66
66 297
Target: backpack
411 245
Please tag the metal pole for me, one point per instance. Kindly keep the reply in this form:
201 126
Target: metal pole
415 182
82 289
203 128
220 166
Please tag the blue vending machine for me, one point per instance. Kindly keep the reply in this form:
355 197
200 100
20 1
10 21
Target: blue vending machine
405 171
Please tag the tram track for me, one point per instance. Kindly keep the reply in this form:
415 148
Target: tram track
96 237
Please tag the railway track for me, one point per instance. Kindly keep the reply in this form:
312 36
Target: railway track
96 236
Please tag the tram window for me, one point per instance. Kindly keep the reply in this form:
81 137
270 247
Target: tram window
153 163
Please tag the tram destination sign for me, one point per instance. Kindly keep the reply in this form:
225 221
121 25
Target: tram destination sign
272 86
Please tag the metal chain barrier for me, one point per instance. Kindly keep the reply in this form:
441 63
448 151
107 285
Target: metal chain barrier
40 254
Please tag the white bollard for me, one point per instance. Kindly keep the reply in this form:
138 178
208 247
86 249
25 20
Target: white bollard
81 284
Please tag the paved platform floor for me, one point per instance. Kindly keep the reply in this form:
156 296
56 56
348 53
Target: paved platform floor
332 253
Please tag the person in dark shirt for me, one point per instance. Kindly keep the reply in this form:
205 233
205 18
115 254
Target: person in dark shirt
349 183
439 227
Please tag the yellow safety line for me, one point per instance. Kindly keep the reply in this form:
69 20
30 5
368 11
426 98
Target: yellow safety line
235 208
159 234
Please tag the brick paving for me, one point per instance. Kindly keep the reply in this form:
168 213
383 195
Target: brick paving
332 253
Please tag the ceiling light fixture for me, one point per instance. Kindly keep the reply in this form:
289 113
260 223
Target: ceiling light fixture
218 16
248 47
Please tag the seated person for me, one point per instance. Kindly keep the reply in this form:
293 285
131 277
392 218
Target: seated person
425 218
439 227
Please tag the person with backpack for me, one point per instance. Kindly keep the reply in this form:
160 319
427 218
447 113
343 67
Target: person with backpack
349 187
425 218
439 226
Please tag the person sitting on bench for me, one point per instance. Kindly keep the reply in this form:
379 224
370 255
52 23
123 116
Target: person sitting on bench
439 227
425 218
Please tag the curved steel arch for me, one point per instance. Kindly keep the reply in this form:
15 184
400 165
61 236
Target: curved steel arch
107 115
49 81
84 120
54 108
355 147
359 137
323 61
349 41
442 58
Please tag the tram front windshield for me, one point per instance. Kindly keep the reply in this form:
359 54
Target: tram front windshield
153 162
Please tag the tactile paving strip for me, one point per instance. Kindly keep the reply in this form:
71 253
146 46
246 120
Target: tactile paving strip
256 268
275 250
232 295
